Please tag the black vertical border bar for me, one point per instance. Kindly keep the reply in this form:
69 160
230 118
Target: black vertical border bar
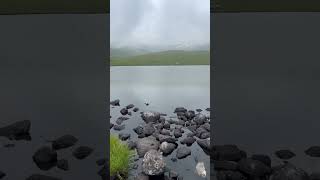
107 64
212 86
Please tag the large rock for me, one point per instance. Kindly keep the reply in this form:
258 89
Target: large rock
285 154
180 109
145 144
82 152
45 158
200 119
164 138
129 106
42 177
150 116
205 145
288 172
148 129
188 141
167 148
64 142
153 163
115 102
124 111
17 131
313 151
254 168
183 152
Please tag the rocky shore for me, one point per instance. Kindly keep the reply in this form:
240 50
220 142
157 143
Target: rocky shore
232 163
47 157
161 136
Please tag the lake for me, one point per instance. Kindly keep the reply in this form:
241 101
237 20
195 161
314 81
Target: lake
164 88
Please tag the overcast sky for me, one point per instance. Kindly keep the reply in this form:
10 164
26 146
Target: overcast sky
159 22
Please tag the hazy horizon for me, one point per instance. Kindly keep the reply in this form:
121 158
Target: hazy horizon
160 24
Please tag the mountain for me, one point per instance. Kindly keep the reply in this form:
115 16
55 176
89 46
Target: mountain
170 57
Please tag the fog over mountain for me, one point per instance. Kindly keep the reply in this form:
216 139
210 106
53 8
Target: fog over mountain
158 25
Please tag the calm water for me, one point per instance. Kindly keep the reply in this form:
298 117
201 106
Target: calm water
165 88
267 83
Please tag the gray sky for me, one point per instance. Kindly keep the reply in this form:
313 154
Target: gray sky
159 22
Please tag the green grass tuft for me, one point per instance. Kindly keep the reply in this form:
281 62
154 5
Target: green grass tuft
120 157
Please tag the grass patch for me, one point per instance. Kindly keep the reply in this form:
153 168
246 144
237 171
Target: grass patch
120 157
164 59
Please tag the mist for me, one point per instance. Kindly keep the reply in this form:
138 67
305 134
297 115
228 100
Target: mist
165 24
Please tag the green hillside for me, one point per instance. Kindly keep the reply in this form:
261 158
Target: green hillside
164 58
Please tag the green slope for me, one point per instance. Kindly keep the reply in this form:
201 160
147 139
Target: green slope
164 58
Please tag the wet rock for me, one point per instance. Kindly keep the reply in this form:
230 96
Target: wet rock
205 135
135 109
153 163
254 168
225 165
230 175
208 109
82 152
132 145
288 172
63 164
42 177
64 142
2 174
205 145
111 125
164 138
262 158
200 119
130 113
115 102
183 152
167 148
121 119
313 151
119 127
162 120
129 106
138 130
148 130
284 154
192 128
165 132
180 109
45 158
177 133
150 117
17 131
225 152
198 110
188 141
180 122
206 126
190 115
124 111
124 136
101 161
146 144
166 126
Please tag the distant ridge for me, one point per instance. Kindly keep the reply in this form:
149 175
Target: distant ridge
169 57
